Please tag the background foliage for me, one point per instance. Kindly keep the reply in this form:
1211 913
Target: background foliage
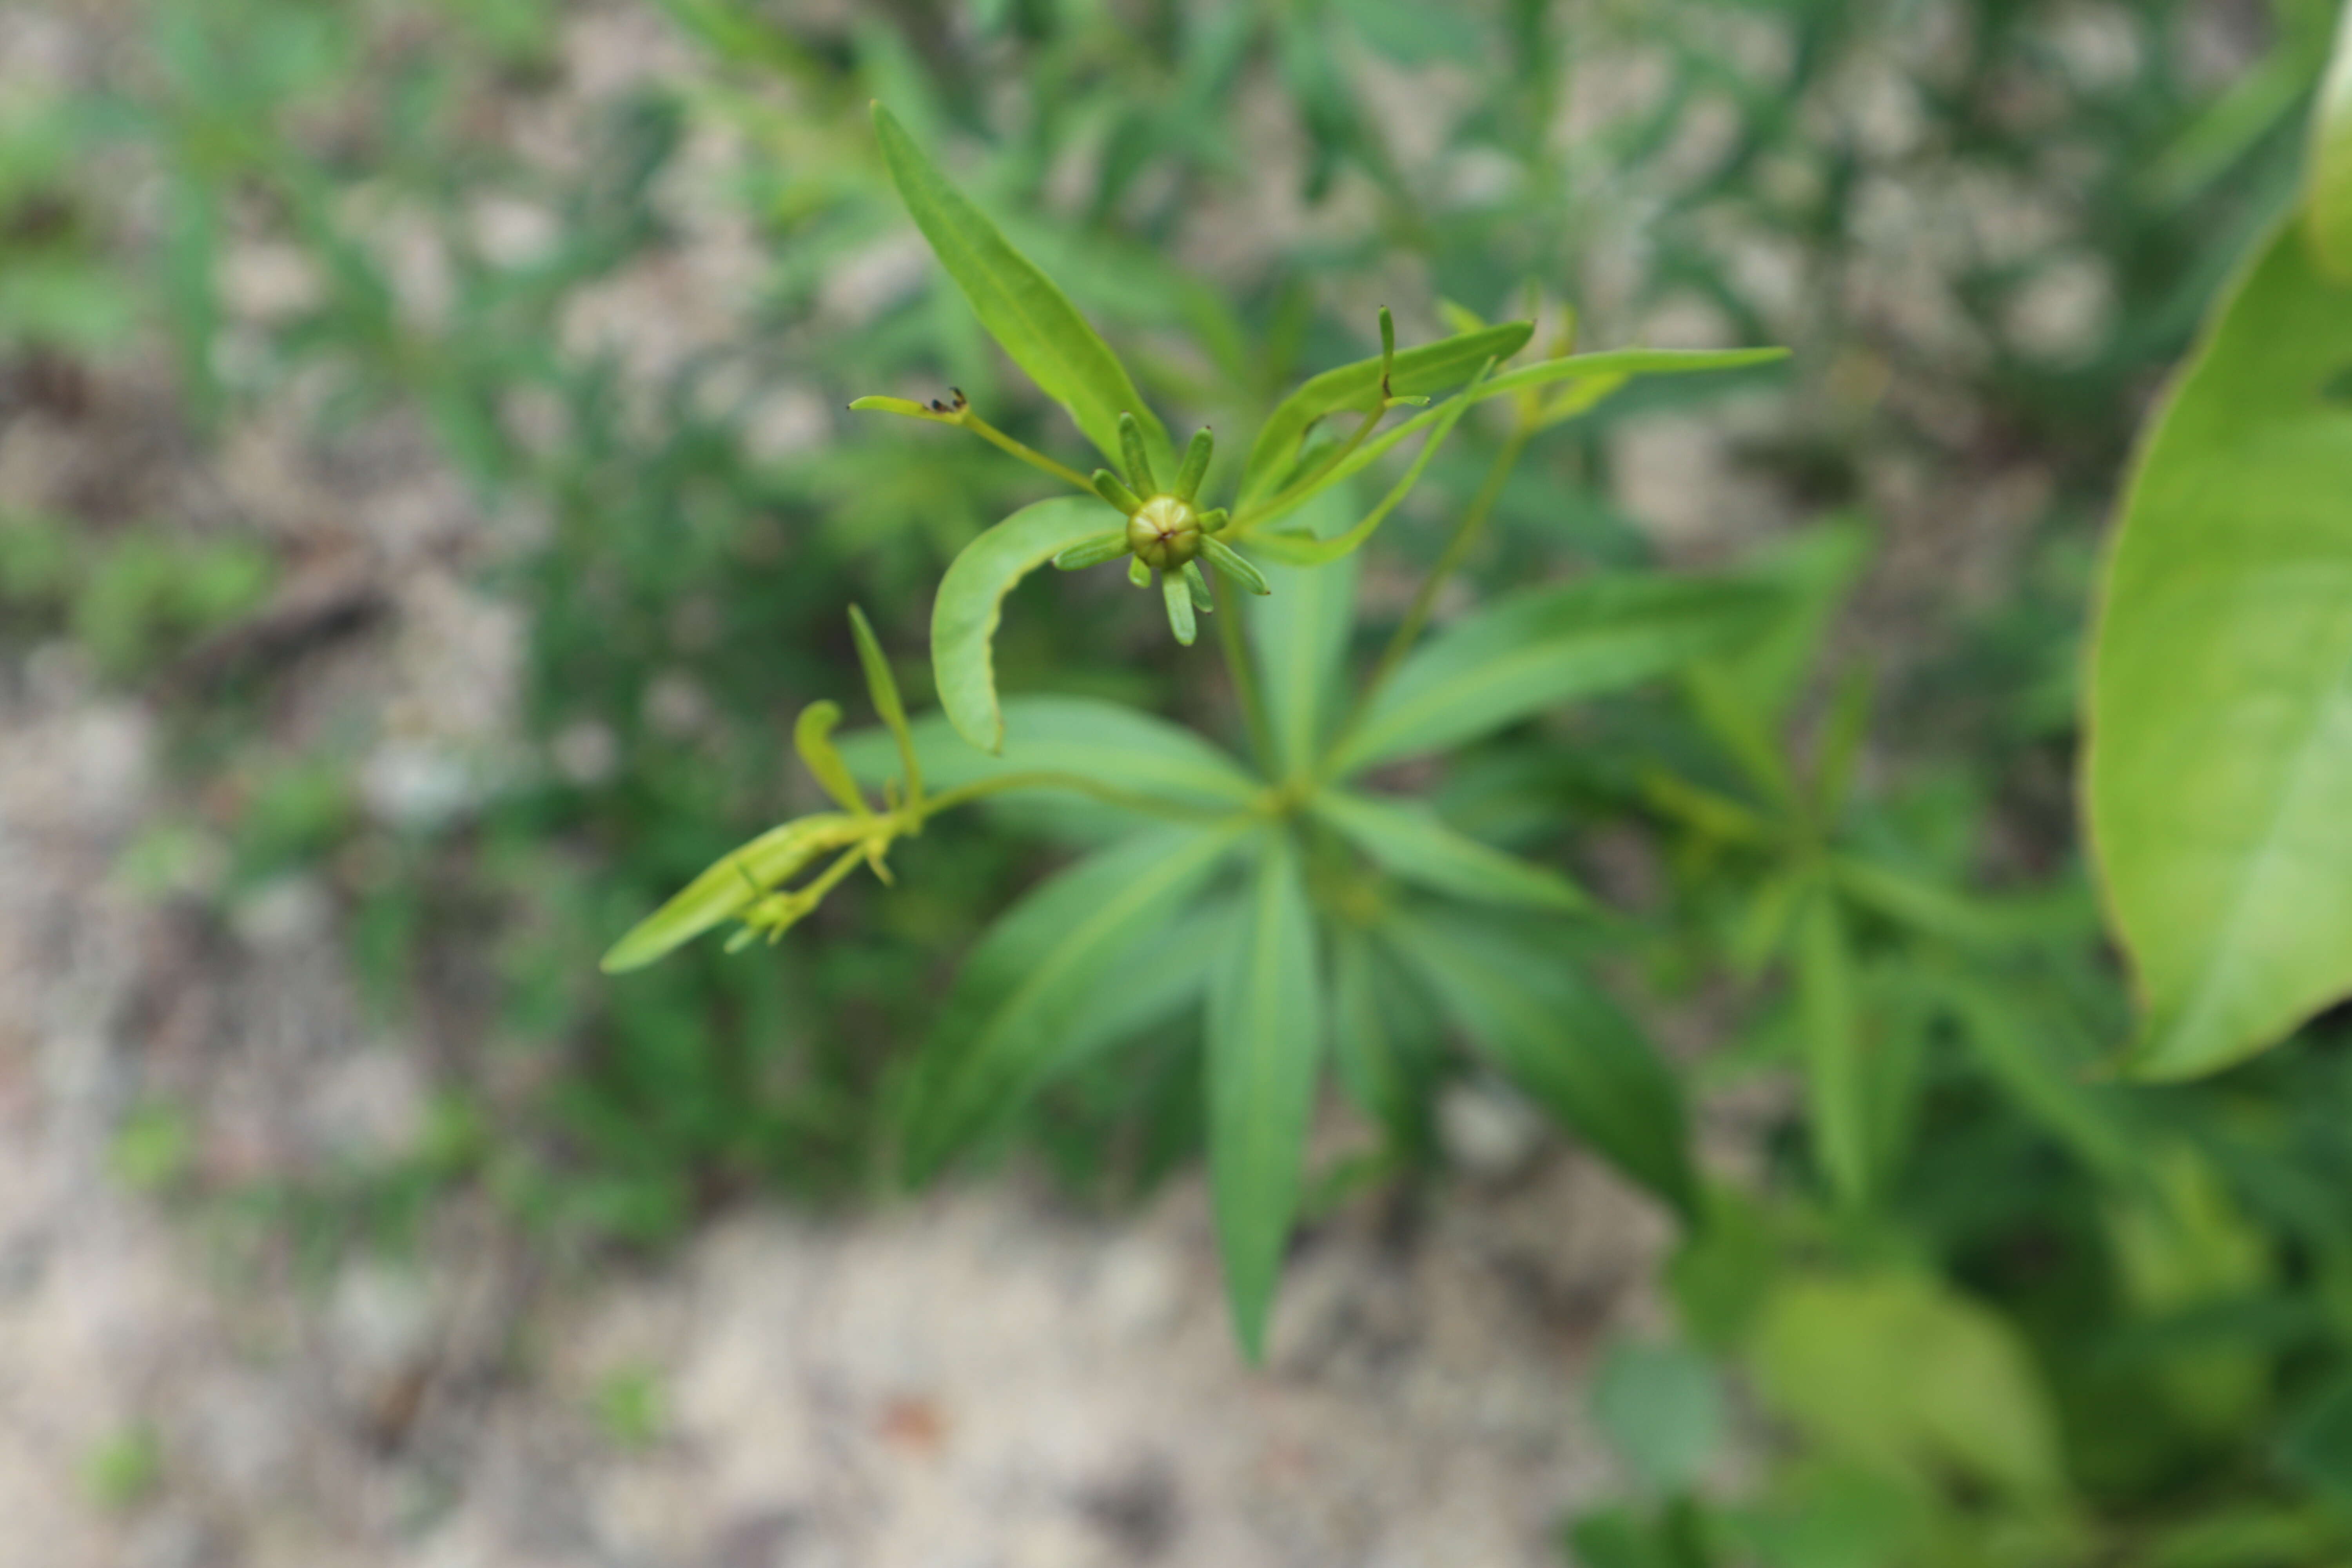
1973 1303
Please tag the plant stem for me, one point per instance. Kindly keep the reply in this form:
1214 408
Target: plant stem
1035 459
1467 531
1248 517
963 794
1229 638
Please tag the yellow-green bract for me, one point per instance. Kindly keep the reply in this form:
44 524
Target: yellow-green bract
2220 774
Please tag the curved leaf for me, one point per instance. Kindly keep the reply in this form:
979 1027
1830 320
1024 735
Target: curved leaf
731 884
1535 650
972 601
1408 840
2220 775
1559 1038
1033 979
1115 746
1029 318
1355 388
2328 207
1266 1040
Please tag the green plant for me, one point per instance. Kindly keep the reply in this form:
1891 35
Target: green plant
1259 873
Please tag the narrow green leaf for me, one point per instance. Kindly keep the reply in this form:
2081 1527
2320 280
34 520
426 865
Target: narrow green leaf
1136 461
2039 1061
1299 633
1559 1038
1196 585
1266 1034
972 601
1407 839
1115 746
1196 465
2221 691
812 738
1384 1040
730 884
1305 550
902 406
1107 485
1837 1079
882 688
1542 647
1029 317
1356 388
1007 1020
1177 594
2327 209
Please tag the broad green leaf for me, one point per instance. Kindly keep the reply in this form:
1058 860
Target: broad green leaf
2327 211
1012 1011
1355 389
1897 1373
972 601
1542 647
1300 634
1559 1038
1662 1409
1029 318
2220 774
731 884
1266 1040
1409 841
1838 1090
1116 747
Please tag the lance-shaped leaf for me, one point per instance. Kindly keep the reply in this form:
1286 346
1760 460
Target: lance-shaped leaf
1305 550
1029 318
1838 1089
1021 997
2219 776
732 883
1300 634
1557 1037
971 602
882 686
1119 748
2328 210
1266 1040
1538 649
1356 388
1385 1041
813 739
1409 842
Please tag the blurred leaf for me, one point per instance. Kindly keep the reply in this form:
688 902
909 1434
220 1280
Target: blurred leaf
1266 1038
2327 216
1661 1409
1299 633
1539 648
1356 389
2317 1444
971 602
1841 1112
2220 706
1029 317
2180 1243
1407 839
813 739
1896 1372
1559 1038
730 884
1384 1039
1116 746
1005 1024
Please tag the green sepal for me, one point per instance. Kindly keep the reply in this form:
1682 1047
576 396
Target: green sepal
1138 573
1138 460
1231 562
1214 521
1092 551
1198 586
1196 465
1107 485
1179 596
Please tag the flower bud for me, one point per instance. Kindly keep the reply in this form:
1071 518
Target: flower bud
1164 533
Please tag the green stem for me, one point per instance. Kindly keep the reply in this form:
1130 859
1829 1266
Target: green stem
1468 531
1228 617
1248 516
963 794
1029 455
